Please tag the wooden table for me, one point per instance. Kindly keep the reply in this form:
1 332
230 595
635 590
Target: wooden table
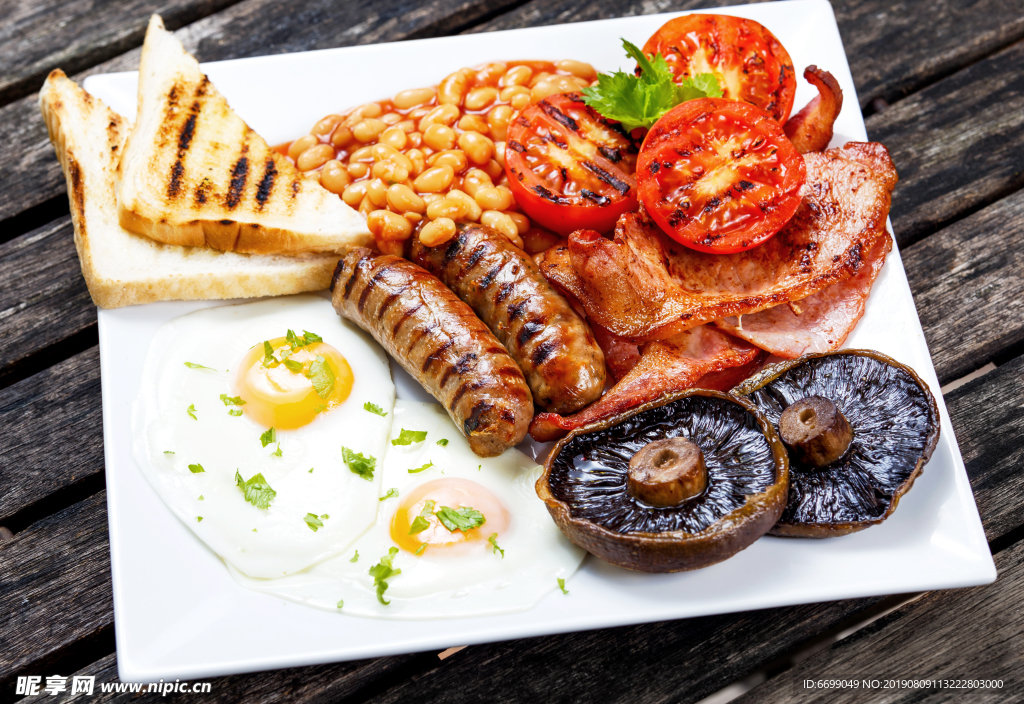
941 83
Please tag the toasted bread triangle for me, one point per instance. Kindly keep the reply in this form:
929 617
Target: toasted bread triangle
193 172
122 268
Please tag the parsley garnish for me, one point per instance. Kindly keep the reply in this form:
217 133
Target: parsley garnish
420 549
392 493
321 375
232 400
193 365
417 470
196 468
443 442
313 521
311 470
383 571
268 355
168 452
464 518
310 337
639 101
201 498
293 365
408 437
319 408
199 519
257 491
358 463
277 452
268 437
374 408
493 540
561 585
355 558
192 412
341 602
420 523
235 412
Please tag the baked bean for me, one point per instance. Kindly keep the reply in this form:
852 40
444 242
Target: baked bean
386 225
412 216
419 162
437 232
579 69
499 153
539 77
520 101
493 169
358 169
377 192
497 121
478 148
334 177
434 180
415 140
394 137
452 157
522 223
342 136
501 222
368 110
517 76
491 73
311 175
452 89
429 198
419 113
390 172
511 91
493 198
354 194
413 97
441 115
401 198
300 145
407 126
552 85
391 118
366 206
473 123
439 137
324 126
481 97
368 129
447 208
315 157
474 180
470 208
538 240
361 154
402 160
392 247
381 151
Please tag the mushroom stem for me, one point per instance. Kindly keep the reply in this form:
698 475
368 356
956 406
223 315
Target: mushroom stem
667 472
815 431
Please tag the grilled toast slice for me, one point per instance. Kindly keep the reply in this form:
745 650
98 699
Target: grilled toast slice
193 172
122 268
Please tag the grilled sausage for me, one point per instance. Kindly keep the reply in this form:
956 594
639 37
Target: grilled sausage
554 346
439 340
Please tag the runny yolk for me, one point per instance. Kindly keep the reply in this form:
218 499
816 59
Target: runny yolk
284 397
454 493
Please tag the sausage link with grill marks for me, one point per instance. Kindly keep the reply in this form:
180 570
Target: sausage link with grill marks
439 340
551 343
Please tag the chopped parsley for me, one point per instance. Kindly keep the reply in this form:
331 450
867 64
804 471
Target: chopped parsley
420 549
201 498
268 355
392 493
257 491
383 571
321 376
417 470
420 523
199 519
308 338
268 437
493 540
313 521
319 408
355 558
408 437
443 442
168 452
196 468
311 470
639 101
358 463
277 452
232 400
193 365
464 518
235 412
192 412
293 365
374 408
341 602
311 337
561 585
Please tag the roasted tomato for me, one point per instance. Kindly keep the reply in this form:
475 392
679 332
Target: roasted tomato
568 167
719 176
750 63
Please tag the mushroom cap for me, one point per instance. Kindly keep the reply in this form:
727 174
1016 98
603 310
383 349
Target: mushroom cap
895 423
584 484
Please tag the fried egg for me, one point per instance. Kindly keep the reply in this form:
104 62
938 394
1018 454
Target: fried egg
263 427
456 534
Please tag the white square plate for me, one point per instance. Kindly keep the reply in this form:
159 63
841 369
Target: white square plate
178 614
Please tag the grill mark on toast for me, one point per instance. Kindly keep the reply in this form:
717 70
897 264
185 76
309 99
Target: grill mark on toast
266 183
177 171
239 175
77 194
201 191
185 136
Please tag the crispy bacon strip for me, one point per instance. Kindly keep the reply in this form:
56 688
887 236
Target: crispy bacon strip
643 286
818 323
664 366
620 356
810 130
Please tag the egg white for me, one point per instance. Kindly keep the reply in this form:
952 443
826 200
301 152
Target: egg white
436 584
259 542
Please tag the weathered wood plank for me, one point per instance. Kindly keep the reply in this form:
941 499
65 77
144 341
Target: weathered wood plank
28 168
37 37
54 433
968 634
958 145
44 300
968 284
892 49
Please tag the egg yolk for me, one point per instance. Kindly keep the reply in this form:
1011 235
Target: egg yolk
454 493
282 394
